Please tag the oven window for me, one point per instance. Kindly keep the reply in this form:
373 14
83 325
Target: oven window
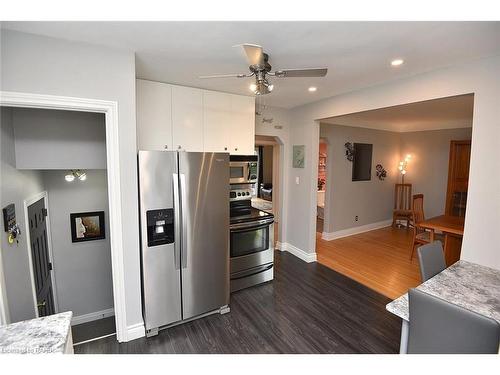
248 241
236 172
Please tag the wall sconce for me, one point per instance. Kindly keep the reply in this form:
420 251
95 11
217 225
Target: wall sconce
403 167
75 173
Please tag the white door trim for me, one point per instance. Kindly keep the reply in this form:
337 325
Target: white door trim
110 109
28 202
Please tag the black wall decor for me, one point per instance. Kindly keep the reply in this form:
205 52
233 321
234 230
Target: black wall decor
349 151
381 172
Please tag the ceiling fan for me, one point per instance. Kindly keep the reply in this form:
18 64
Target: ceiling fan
261 69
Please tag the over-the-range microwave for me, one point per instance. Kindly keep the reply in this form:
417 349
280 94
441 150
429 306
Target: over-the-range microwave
243 169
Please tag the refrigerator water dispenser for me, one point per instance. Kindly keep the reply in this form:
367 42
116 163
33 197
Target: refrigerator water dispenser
160 226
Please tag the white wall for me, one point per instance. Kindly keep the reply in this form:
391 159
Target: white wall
372 201
37 64
428 167
481 77
15 187
82 269
43 135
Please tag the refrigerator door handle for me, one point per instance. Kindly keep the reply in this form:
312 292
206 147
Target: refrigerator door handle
177 225
184 221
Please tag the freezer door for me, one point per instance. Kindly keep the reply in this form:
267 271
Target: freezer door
204 190
160 242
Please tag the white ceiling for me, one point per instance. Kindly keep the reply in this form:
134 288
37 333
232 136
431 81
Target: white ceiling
446 113
357 54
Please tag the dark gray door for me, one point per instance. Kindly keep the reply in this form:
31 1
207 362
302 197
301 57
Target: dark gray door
42 268
204 191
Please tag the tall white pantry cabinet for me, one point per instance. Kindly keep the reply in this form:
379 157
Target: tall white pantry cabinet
171 117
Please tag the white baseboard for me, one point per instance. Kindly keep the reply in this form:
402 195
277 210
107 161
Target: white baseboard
328 236
299 253
135 331
92 316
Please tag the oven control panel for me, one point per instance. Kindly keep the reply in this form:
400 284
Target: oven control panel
240 194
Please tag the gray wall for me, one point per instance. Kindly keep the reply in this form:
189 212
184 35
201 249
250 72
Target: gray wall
43 135
371 200
82 269
428 168
16 186
42 65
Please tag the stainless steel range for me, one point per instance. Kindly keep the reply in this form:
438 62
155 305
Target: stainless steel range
251 239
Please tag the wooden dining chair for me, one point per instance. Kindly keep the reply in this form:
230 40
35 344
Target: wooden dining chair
402 204
421 236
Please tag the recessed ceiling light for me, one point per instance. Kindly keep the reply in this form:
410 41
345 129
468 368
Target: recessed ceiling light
312 89
397 62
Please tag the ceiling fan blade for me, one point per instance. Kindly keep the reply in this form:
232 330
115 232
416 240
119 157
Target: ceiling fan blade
253 52
312 72
240 75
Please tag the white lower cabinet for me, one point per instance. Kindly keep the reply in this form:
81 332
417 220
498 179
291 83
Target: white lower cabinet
182 118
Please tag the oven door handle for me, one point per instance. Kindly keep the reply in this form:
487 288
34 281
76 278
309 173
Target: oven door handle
252 225
252 271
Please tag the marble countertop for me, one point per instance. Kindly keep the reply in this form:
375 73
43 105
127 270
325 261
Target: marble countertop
41 335
469 285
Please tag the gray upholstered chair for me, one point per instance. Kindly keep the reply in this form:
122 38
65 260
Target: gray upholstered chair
431 260
440 327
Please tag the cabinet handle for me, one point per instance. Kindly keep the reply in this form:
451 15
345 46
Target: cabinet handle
179 147
236 149
166 146
225 148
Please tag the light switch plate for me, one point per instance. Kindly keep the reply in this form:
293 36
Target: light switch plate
297 180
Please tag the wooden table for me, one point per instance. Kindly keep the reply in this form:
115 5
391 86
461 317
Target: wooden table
468 285
453 230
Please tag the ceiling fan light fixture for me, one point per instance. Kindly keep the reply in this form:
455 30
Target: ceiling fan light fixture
397 62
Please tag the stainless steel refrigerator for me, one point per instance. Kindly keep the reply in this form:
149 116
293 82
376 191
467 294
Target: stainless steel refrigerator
184 216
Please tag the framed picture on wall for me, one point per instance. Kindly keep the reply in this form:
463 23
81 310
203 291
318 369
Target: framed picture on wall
298 156
87 226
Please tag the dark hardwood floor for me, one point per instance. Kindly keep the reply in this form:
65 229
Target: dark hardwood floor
308 308
94 329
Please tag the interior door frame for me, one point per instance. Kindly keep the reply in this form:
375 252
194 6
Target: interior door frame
110 110
28 202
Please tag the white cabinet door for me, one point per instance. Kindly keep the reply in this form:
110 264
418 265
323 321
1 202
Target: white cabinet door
217 121
243 129
154 115
187 118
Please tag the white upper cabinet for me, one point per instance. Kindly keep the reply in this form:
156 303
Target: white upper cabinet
171 117
187 118
217 123
243 127
154 115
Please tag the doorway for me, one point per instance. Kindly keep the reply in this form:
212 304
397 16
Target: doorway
413 145
109 111
322 185
268 189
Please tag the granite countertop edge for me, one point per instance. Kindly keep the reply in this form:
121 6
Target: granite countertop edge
43 335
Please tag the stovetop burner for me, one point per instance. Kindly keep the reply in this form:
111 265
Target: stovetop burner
243 211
